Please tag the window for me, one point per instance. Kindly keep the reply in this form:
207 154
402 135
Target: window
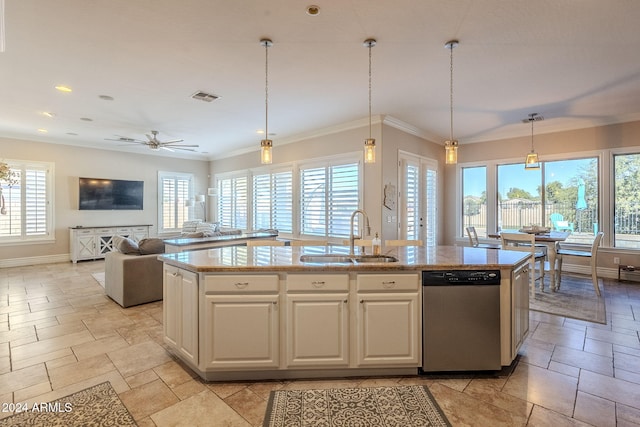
328 196
562 195
273 201
26 213
626 211
174 191
474 199
232 201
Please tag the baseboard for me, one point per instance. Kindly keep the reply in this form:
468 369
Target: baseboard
36 260
603 272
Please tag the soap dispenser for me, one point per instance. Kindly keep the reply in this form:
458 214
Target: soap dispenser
376 245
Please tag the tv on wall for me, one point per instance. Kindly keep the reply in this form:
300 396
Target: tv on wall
110 194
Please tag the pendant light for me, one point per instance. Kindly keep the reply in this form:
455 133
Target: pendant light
532 162
451 145
266 144
370 143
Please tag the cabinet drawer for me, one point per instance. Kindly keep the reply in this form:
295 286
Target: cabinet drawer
104 230
123 230
140 229
387 282
318 282
246 284
84 232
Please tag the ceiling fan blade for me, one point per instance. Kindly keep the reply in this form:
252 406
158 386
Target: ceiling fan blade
166 144
181 147
124 139
172 141
167 148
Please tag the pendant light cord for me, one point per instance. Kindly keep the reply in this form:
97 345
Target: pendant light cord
266 90
531 119
370 46
451 92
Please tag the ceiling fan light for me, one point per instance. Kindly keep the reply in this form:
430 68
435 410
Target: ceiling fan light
265 151
451 152
370 150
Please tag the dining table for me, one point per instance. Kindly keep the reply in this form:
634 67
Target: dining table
550 239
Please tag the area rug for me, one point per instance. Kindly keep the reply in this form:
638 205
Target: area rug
95 406
576 298
99 278
404 406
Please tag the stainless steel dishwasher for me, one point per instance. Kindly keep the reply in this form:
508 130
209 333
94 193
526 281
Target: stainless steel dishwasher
461 320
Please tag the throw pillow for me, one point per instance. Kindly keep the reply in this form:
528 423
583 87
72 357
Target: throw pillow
190 226
194 234
125 245
151 246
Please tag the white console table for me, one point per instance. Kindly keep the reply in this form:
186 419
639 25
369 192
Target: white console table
95 242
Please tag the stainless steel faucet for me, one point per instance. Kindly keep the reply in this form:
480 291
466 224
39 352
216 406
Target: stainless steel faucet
352 237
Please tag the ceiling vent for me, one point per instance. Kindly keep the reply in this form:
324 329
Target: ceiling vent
204 96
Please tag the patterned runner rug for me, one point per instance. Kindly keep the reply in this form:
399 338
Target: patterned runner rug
576 298
404 406
95 406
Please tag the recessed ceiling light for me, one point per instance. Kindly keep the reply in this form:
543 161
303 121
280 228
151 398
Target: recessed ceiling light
42 130
72 133
63 88
313 10
204 96
48 114
106 97
86 119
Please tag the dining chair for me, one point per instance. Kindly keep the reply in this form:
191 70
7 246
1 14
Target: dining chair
264 242
525 242
308 243
563 250
473 240
403 243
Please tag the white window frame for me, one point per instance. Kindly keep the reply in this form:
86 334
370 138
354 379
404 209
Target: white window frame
272 172
243 174
47 235
179 204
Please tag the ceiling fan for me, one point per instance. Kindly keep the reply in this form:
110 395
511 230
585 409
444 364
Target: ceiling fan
155 144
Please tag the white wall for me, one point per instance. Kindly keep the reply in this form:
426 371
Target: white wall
70 163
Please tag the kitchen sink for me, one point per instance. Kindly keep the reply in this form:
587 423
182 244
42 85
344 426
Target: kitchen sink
345 259
326 259
374 258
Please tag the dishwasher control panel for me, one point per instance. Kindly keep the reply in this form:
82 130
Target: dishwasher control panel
467 277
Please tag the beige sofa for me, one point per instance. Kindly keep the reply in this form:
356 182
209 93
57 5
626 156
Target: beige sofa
133 279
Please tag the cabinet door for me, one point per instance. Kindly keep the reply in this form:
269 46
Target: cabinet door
86 246
317 330
188 333
241 331
519 307
171 305
180 312
388 329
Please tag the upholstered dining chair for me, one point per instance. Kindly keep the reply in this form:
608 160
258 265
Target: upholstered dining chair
473 240
403 243
264 242
526 243
563 251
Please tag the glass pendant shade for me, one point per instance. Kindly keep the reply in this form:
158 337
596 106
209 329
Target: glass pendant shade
265 151
451 152
532 161
370 150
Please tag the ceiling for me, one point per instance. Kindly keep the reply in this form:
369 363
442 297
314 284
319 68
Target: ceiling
575 63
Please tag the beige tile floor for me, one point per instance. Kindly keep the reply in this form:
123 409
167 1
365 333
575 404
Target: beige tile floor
59 334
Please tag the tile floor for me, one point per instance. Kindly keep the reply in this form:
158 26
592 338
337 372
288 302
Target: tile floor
59 334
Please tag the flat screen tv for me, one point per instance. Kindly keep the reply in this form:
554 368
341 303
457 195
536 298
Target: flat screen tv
110 194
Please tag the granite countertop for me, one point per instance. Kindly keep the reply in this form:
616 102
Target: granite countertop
185 241
287 258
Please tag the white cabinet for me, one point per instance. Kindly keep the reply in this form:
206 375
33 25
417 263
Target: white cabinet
317 320
180 312
241 322
519 307
388 320
95 242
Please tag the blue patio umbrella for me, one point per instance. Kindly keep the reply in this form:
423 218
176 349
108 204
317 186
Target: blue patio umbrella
582 202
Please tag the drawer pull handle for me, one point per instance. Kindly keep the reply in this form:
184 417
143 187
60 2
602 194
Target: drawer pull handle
389 284
175 274
275 303
241 285
318 283
345 301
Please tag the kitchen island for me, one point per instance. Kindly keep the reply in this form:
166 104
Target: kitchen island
247 313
